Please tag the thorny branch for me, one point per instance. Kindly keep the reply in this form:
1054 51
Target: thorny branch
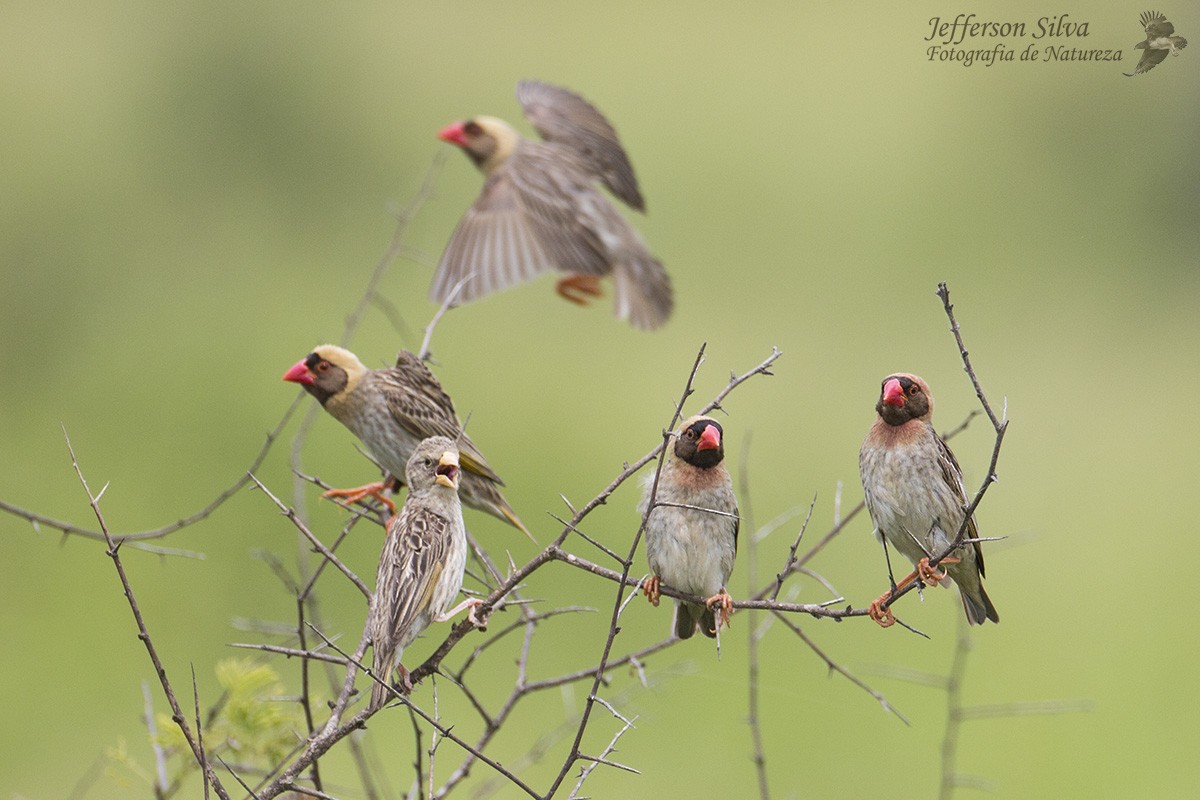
158 533
113 552
298 771
754 632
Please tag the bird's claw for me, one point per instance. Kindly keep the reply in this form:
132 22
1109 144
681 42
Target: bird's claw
477 615
406 685
360 493
650 587
579 288
881 614
722 605
930 575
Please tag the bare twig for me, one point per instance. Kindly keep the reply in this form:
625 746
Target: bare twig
161 781
316 543
396 246
753 632
113 552
425 352
838 668
158 533
957 713
603 757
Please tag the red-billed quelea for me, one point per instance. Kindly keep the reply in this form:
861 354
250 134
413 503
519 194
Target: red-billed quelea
540 210
391 410
422 563
692 549
914 492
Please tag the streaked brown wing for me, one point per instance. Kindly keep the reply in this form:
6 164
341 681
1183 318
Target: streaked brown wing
952 475
413 559
492 248
563 209
1150 59
1156 25
565 118
526 222
420 405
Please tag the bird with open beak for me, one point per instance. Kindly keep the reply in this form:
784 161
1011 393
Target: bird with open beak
390 410
422 563
916 498
540 210
691 533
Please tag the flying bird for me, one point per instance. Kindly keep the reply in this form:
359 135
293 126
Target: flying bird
1159 41
391 410
916 498
422 563
540 210
691 543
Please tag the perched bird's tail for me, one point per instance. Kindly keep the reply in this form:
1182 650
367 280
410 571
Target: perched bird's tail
979 607
480 493
379 695
510 517
688 617
643 292
380 669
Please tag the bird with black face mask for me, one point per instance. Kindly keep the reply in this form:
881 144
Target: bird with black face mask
391 410
691 533
915 494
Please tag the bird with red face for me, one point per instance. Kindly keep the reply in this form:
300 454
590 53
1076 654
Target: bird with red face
915 495
391 410
691 533
540 210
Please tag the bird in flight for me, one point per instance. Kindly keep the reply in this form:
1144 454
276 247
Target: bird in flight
1160 40
540 210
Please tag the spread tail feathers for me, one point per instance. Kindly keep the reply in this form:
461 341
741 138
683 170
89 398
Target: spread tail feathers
643 292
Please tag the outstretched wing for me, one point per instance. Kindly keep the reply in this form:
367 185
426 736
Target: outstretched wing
492 248
565 118
1150 59
528 220
1156 24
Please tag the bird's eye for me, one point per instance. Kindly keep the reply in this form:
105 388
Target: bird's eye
689 434
322 366
914 389
471 128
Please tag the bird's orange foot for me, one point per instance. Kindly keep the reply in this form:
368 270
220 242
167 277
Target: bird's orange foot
477 618
360 493
650 587
579 288
883 616
722 605
406 685
932 576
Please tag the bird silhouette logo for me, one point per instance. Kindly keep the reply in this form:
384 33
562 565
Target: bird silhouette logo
1160 40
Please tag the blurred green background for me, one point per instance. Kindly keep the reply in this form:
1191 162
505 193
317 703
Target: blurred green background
194 195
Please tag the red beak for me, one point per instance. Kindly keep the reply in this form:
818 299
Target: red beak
299 373
893 393
710 439
454 134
